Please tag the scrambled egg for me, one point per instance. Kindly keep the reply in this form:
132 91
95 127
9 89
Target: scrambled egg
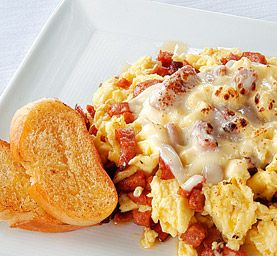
168 207
231 206
230 203
186 249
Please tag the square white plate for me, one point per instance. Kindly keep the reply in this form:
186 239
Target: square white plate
86 42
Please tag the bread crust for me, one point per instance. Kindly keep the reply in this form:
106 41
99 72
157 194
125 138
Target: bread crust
15 211
102 188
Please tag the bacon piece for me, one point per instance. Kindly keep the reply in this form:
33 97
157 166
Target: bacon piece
212 236
194 235
161 71
207 252
91 110
121 109
143 199
148 182
255 57
196 200
229 252
124 83
93 130
230 57
130 183
183 193
81 112
161 235
166 173
165 58
144 85
142 218
122 217
175 65
126 139
177 84
245 80
202 131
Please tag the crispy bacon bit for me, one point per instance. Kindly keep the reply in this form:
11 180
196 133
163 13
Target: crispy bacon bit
161 235
195 234
202 131
130 183
196 200
118 108
148 182
207 252
121 109
230 57
212 236
255 57
142 218
81 112
124 83
177 84
165 58
91 110
184 193
166 173
122 217
229 252
126 138
245 80
143 199
93 130
175 65
161 71
144 85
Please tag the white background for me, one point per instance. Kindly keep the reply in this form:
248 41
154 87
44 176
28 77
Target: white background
21 21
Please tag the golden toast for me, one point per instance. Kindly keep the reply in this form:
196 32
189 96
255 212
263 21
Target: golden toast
51 141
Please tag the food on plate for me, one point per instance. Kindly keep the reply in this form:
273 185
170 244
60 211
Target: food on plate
192 141
50 140
16 206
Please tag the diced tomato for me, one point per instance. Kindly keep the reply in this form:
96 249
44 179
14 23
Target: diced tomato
128 117
166 173
127 141
130 183
195 234
122 217
161 235
148 182
142 218
91 110
144 85
255 57
196 200
229 252
230 57
212 236
161 71
124 83
143 199
93 130
165 58
207 252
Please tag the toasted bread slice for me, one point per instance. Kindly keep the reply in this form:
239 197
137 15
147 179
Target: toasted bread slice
16 206
68 181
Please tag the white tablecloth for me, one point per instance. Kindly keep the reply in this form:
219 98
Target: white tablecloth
21 21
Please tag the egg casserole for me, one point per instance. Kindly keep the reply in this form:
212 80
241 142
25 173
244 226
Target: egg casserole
193 140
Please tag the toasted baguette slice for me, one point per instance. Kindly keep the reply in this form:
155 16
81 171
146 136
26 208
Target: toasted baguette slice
68 181
16 206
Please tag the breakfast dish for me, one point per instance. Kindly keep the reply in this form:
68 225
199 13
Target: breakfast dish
192 137
184 145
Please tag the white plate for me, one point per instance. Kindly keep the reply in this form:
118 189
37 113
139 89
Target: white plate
84 43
